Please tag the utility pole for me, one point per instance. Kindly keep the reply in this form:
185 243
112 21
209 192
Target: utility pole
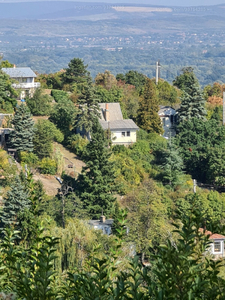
223 108
157 72
194 185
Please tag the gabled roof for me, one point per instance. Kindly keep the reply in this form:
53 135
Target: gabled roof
166 110
107 222
212 236
115 121
114 109
19 72
118 124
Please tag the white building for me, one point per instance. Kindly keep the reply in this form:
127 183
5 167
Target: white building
217 243
168 118
102 224
24 80
123 132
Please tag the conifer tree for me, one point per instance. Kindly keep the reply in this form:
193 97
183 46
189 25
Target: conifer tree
16 203
172 165
76 72
96 182
192 99
22 136
88 108
147 115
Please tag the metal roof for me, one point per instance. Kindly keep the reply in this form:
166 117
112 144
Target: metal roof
166 110
118 124
107 222
19 72
114 110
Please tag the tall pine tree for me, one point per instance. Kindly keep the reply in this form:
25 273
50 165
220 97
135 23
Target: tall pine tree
88 108
16 203
192 99
147 115
96 182
172 165
22 136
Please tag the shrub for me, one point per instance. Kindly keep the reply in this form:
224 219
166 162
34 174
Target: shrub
48 166
77 144
58 95
28 158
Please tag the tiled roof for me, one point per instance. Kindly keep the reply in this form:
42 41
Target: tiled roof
118 124
19 72
212 236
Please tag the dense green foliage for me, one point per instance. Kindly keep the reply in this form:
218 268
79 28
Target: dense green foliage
199 142
145 187
147 115
15 205
89 109
39 104
192 100
45 133
7 94
63 116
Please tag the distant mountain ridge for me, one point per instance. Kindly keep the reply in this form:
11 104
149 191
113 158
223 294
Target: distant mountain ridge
57 10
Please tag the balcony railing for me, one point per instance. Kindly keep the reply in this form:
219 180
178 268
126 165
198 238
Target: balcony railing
26 85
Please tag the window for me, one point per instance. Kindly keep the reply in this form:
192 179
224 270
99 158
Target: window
24 80
164 122
128 133
123 133
217 246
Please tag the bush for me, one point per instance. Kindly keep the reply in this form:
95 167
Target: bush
39 104
58 95
48 166
77 144
28 158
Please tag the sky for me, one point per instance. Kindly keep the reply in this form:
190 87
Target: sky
164 2
151 2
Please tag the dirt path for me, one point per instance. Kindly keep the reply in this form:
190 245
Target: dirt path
50 183
71 159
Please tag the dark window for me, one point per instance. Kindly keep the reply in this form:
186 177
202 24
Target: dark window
171 119
123 133
128 133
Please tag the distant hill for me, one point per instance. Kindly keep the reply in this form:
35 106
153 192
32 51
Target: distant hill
68 10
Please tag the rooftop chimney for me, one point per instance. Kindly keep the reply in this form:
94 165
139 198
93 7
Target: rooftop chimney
14 66
102 219
106 112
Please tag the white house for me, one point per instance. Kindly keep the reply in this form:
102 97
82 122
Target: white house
123 132
217 245
168 118
102 224
24 78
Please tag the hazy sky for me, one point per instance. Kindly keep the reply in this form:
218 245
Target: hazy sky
153 2
164 2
